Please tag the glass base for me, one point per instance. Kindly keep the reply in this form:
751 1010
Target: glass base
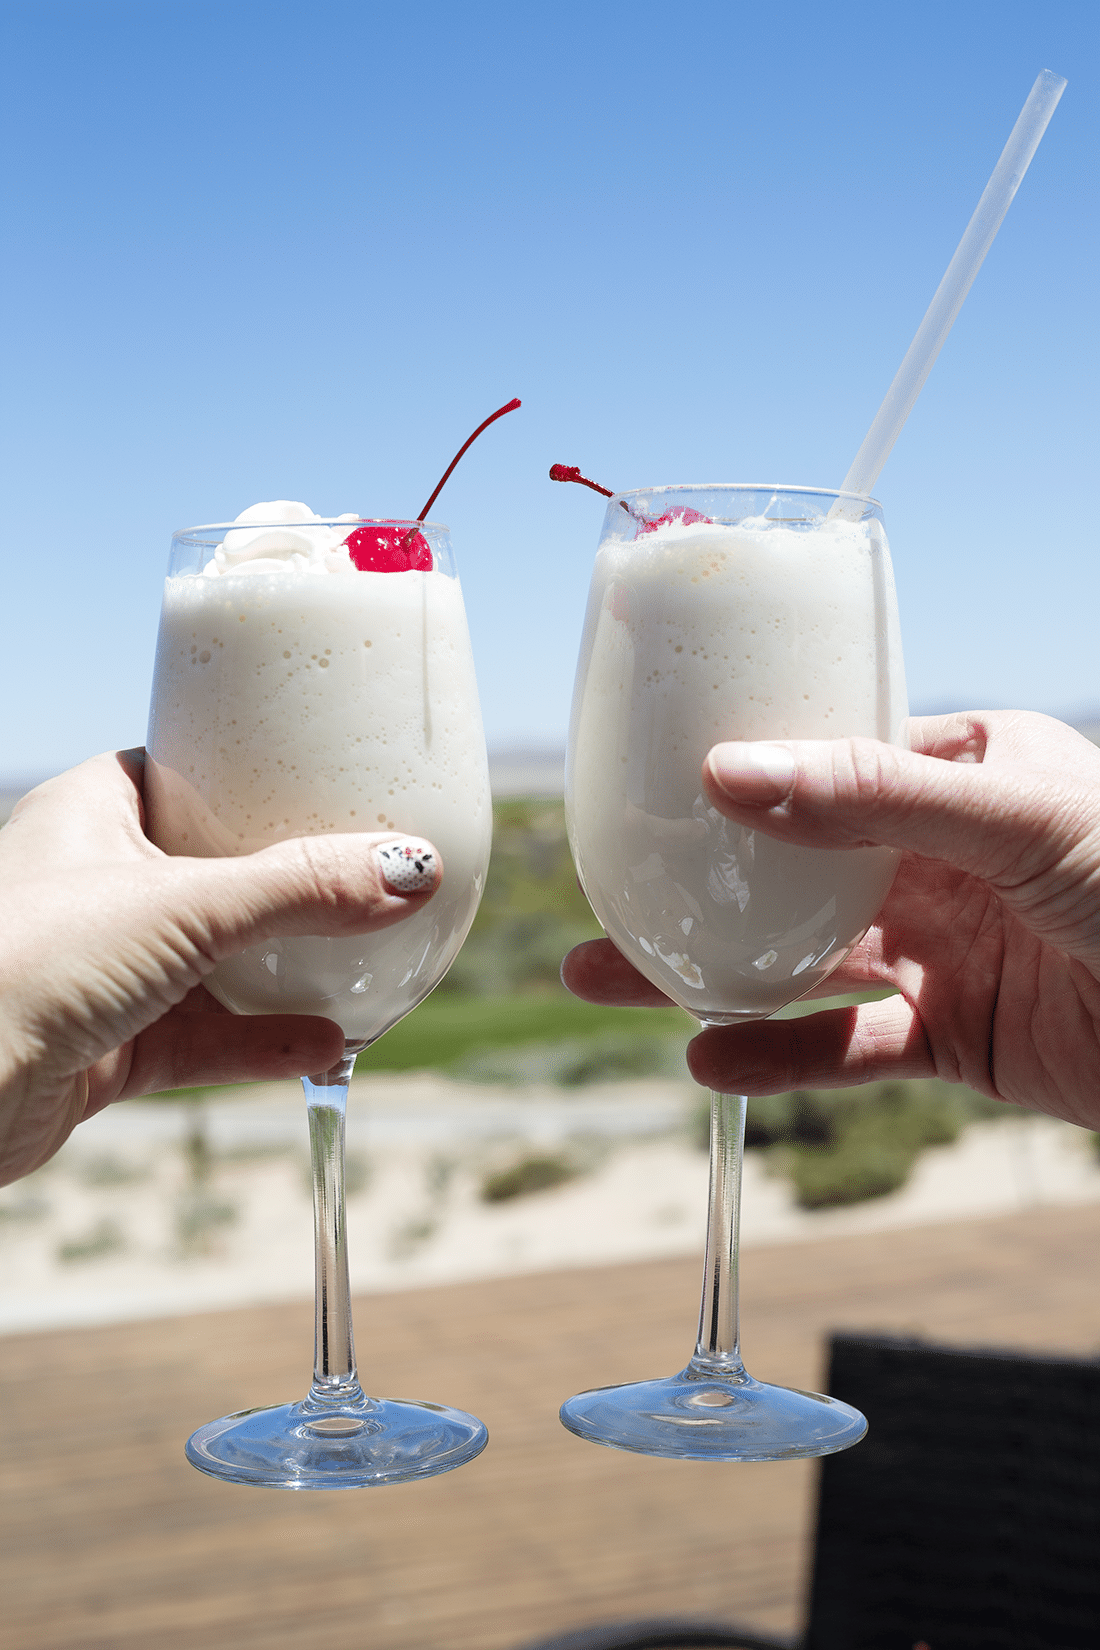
713 1413
336 1446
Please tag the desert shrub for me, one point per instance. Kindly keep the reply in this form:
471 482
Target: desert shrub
842 1146
105 1238
530 1174
852 1172
864 1143
575 1062
107 1170
198 1217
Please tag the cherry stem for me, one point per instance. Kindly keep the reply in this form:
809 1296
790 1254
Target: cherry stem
571 472
511 407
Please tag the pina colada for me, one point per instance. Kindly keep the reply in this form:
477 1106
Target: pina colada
697 632
296 694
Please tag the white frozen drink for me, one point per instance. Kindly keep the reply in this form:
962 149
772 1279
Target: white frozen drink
700 631
295 694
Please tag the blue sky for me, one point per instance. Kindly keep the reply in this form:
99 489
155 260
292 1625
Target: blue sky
288 250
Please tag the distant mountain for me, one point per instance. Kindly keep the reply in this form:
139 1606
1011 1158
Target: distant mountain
527 770
535 770
12 789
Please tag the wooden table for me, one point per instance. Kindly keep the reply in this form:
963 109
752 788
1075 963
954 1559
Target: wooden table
110 1541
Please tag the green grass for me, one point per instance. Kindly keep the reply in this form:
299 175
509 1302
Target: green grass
448 1027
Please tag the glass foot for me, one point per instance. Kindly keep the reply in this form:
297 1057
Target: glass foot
315 1446
704 1414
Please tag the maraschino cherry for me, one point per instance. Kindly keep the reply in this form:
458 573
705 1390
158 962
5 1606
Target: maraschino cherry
382 547
681 514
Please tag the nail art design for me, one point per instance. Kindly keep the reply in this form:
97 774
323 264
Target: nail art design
407 867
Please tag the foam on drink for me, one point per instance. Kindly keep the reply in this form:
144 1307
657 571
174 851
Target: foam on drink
706 632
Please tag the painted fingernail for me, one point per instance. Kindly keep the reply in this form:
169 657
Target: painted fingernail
752 772
407 867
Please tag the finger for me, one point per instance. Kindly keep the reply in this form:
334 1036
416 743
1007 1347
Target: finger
995 736
196 1050
859 973
334 885
867 967
598 972
837 1049
1002 824
961 737
80 816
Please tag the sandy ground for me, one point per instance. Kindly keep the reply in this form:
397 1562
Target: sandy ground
164 1208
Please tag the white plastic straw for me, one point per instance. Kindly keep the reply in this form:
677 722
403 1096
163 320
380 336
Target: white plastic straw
978 238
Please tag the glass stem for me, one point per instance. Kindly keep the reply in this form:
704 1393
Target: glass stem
719 1340
334 1374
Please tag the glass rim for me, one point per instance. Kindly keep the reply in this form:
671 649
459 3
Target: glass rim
744 487
299 526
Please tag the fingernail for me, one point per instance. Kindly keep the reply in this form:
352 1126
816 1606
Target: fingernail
752 773
407 867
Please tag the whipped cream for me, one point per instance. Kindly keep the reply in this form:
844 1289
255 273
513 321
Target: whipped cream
287 537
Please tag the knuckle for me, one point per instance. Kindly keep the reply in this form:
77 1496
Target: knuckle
870 1049
862 781
317 873
872 770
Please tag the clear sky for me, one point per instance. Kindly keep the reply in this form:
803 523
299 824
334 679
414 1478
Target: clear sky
260 250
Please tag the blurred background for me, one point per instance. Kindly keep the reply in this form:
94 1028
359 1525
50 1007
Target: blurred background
259 251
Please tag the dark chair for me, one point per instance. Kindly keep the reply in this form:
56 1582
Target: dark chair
968 1519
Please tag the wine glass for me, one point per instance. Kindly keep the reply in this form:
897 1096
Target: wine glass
293 695
717 613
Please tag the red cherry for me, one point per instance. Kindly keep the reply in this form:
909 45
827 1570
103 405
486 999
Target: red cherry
389 549
680 515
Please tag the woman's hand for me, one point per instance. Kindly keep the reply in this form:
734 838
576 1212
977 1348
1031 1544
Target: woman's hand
105 941
990 935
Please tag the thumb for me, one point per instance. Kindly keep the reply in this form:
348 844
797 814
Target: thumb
333 885
93 960
995 813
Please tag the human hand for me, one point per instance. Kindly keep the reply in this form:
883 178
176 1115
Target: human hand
104 942
990 935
